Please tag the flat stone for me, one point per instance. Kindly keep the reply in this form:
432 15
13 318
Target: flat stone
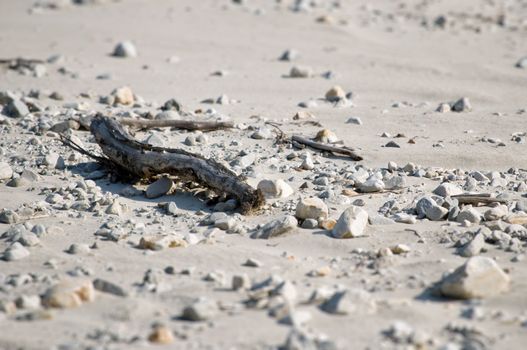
159 188
69 293
351 223
311 208
448 189
353 301
469 214
8 216
436 213
479 277
276 227
109 287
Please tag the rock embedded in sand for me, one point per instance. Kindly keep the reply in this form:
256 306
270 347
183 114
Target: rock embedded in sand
69 293
201 309
474 247
353 301
289 55
159 188
109 287
311 208
275 188
5 171
479 277
161 335
241 282
301 72
335 94
443 108
436 212
276 227
469 214
448 189
123 95
351 223
16 109
125 49
8 216
372 184
15 251
522 63
462 105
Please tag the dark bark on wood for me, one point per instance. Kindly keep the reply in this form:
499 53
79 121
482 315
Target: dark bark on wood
145 161
344 151
483 198
179 124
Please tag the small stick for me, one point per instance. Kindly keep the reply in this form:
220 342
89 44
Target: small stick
179 124
345 151
483 198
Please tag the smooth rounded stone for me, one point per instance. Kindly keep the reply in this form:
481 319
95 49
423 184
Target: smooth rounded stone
159 188
202 309
474 247
69 293
5 171
522 63
335 94
423 205
225 224
123 95
289 55
404 218
28 302
8 216
436 213
18 182
15 251
241 282
448 189
462 105
275 188
371 185
353 301
351 223
326 136
78 248
307 164
161 335
309 224
125 49
54 161
443 108
469 214
496 213
479 277
354 121
276 227
109 287
301 72
311 208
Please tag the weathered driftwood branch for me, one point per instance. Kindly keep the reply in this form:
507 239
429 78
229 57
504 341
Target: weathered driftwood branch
344 151
179 124
480 198
145 161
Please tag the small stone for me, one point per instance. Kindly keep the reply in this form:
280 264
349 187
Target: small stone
301 72
479 277
301 115
308 164
201 309
15 251
436 213
354 301
404 218
522 63
123 96
392 144
496 213
241 282
5 171
172 209
109 287
161 335
311 208
462 105
16 109
335 94
469 214
159 188
54 161
276 227
28 302
371 185
262 134
474 247
443 108
251 262
125 49
400 249
69 293
8 216
309 224
354 120
275 188
448 189
351 223
225 224
326 136
289 55
78 248
326 224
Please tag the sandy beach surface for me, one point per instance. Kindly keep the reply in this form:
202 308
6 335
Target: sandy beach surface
381 253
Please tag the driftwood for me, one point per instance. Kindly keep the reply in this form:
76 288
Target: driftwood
178 124
145 161
480 198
